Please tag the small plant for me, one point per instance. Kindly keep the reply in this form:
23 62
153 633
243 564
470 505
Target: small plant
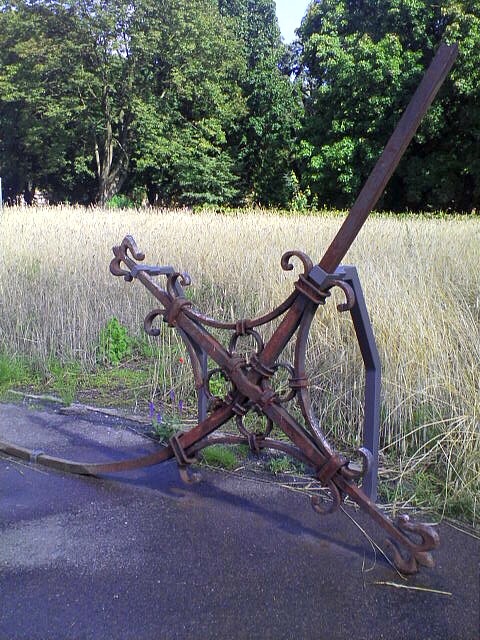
220 456
218 385
165 426
164 429
280 465
115 342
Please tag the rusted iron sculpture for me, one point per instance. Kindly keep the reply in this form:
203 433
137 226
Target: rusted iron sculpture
251 379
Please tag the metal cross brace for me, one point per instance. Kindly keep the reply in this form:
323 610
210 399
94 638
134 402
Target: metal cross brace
371 361
253 390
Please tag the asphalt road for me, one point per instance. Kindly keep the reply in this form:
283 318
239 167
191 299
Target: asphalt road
140 555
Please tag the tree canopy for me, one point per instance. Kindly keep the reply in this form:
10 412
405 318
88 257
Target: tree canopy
359 63
201 102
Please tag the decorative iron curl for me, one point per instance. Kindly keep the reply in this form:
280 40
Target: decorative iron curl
320 506
210 374
184 461
347 290
305 260
292 392
247 332
255 439
367 461
148 322
121 253
172 280
418 551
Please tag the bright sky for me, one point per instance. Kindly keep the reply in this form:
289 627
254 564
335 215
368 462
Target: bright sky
290 14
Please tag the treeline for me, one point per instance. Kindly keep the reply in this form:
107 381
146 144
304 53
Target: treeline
200 102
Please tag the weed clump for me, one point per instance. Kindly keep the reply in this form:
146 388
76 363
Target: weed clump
115 342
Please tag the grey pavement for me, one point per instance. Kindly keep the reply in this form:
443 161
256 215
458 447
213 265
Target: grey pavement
140 555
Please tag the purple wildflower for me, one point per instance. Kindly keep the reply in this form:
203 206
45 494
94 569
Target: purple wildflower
151 409
180 406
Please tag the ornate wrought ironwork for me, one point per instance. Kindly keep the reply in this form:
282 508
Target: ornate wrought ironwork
251 390
251 377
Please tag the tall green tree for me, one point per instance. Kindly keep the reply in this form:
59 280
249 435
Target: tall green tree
35 111
69 75
267 136
360 62
184 126
96 93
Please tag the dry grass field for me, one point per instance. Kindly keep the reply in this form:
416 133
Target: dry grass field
420 278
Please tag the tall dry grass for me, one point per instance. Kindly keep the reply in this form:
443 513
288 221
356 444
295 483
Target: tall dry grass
420 277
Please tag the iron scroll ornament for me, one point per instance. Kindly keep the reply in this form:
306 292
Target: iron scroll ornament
251 390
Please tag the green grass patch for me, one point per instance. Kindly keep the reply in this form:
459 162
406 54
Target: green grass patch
280 465
15 371
220 456
63 378
115 343
426 490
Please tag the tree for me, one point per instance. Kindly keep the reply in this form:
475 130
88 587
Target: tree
97 92
184 126
35 111
360 62
267 134
68 73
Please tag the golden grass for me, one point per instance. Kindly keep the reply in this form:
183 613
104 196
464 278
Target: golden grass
420 278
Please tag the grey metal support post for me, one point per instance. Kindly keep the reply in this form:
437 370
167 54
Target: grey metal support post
202 397
371 361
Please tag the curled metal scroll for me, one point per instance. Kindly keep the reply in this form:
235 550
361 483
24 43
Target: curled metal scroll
323 507
148 322
210 374
304 259
121 253
349 294
182 278
367 460
421 539
232 346
292 392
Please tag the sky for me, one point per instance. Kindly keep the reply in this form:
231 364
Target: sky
290 14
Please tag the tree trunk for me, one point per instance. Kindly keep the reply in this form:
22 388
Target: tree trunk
111 156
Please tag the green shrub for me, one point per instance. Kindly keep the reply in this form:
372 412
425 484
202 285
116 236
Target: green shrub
121 201
115 342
